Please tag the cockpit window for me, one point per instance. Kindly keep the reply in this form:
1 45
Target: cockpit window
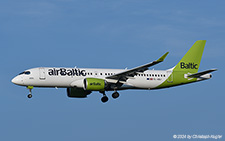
25 72
21 73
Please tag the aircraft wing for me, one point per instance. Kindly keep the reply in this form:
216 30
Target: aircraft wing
199 74
123 76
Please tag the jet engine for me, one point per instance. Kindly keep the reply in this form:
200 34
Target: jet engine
94 84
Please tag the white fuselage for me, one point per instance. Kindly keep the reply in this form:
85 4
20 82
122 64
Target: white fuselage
71 77
80 82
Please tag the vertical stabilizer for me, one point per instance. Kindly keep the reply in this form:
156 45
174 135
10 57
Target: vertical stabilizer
191 60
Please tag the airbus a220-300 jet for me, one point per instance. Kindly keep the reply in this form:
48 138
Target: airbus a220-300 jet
81 82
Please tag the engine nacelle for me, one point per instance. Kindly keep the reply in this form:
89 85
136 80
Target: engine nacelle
94 84
77 92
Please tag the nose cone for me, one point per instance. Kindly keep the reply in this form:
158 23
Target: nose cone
17 80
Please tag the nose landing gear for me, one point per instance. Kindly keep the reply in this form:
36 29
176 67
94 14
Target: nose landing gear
30 93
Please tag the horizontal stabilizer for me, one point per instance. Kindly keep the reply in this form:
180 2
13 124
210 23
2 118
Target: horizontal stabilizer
199 74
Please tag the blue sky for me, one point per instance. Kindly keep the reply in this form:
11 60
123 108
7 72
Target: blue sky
110 34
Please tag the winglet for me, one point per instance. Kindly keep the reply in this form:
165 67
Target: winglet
163 57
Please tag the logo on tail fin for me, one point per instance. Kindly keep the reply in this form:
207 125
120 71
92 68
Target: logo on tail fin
191 60
188 65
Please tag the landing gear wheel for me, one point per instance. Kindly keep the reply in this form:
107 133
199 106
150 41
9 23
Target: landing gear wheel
115 95
29 95
104 99
30 92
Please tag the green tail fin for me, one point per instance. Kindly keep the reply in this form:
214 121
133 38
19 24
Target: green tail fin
191 60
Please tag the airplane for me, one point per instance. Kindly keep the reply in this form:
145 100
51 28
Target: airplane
81 82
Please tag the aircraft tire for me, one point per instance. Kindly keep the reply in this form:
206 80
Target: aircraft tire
29 95
115 95
104 99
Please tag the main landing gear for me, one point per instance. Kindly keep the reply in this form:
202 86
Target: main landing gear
115 95
30 93
105 98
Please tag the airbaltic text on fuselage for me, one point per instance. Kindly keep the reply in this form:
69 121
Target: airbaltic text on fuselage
188 65
66 72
